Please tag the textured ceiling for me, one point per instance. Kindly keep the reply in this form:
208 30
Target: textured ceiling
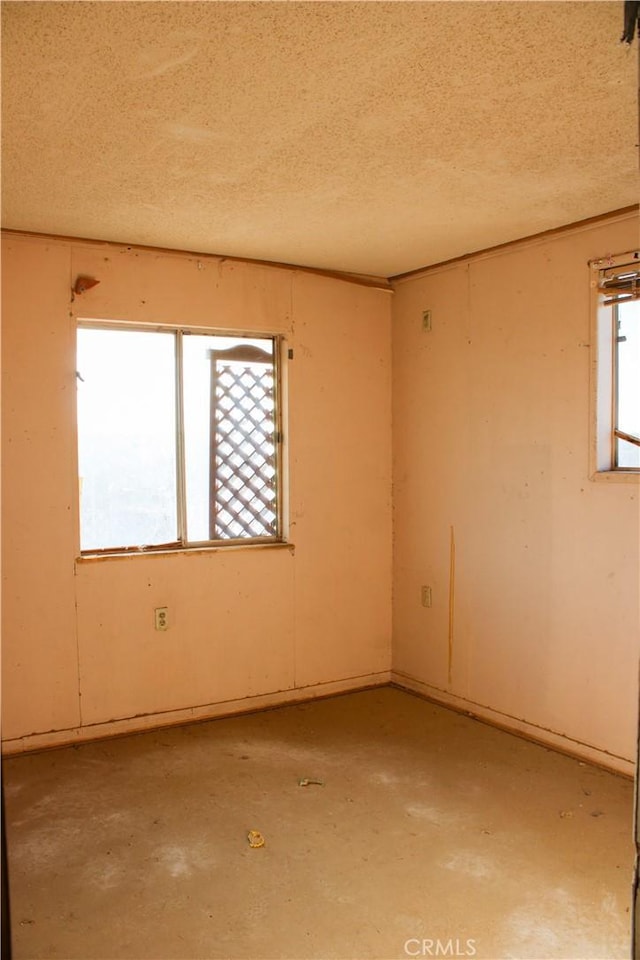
369 137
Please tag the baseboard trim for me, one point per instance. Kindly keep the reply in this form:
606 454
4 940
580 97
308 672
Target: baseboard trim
210 711
529 731
229 708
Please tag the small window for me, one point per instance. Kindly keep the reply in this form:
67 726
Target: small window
626 428
178 438
616 365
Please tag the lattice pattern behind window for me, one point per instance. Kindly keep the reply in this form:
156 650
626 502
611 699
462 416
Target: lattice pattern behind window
243 452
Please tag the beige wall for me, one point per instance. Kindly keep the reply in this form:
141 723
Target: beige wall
491 442
79 645
491 439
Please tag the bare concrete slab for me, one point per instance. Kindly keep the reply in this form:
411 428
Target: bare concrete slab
429 832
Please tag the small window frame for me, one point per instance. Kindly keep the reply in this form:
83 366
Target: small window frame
603 375
182 543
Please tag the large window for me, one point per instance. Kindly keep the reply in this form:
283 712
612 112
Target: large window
178 438
616 366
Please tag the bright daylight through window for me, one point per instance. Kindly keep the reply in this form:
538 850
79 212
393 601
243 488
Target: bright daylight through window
177 438
627 382
616 356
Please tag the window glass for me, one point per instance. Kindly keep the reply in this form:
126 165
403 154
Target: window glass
628 381
126 438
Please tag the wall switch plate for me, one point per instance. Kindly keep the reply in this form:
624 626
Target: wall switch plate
426 320
162 618
425 593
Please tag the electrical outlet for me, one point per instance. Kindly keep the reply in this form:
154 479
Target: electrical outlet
426 320
162 618
425 594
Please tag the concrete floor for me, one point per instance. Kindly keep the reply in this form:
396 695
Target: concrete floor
430 827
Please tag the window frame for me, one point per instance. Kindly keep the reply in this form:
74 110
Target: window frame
603 376
182 544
